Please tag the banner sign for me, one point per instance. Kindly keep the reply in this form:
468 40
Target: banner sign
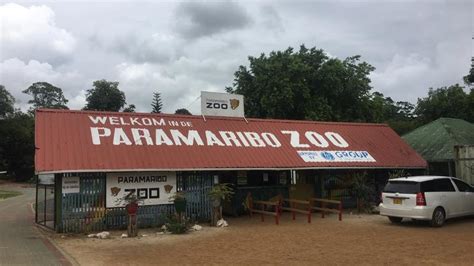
222 104
46 179
152 188
71 184
336 156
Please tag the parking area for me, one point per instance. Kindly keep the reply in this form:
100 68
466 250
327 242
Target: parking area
366 239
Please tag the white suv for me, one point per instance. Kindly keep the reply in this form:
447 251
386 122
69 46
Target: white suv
433 198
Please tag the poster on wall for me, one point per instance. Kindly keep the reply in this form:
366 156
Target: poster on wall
241 178
71 184
46 179
152 188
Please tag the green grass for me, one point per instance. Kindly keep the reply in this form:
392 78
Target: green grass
4 194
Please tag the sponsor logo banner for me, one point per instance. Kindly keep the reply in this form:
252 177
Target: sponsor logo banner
336 156
153 188
222 104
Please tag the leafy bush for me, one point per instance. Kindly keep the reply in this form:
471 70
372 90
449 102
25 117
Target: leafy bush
222 191
175 226
362 188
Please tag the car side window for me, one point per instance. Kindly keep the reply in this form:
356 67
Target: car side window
463 187
443 185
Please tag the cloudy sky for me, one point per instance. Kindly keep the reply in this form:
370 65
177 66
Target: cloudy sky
182 48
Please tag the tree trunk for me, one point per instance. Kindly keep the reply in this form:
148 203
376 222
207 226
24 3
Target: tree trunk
215 215
132 229
216 211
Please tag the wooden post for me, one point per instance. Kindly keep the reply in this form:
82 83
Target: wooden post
278 211
292 204
340 210
132 230
309 211
323 205
250 204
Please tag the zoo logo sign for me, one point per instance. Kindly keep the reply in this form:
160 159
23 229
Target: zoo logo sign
151 188
222 104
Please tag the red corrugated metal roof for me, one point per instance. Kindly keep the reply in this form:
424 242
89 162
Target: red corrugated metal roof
70 141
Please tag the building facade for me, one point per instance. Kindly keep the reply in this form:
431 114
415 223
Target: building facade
86 162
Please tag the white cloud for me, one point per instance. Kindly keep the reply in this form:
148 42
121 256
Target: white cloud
155 48
197 20
179 83
30 33
17 76
400 74
180 49
408 77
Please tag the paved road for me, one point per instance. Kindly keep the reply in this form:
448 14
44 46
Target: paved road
21 243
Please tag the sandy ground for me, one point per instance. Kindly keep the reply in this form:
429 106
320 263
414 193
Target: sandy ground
367 239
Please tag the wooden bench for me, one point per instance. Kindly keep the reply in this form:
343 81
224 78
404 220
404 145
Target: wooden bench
292 208
323 208
263 208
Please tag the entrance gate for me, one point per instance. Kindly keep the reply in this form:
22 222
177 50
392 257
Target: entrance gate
45 201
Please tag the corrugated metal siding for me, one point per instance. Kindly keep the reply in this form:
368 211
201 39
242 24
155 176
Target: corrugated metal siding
64 143
464 159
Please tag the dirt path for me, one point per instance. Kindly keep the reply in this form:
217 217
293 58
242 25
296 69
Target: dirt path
355 240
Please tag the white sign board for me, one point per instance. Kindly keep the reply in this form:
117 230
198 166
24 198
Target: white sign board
71 184
152 188
336 156
46 179
222 104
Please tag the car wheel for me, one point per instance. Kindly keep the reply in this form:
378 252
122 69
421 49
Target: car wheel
439 216
395 220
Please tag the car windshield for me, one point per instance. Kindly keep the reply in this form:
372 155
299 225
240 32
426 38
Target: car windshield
404 187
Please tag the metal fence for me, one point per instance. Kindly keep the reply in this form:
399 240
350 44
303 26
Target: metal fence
86 212
44 214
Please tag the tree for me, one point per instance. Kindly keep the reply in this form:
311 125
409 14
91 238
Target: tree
182 111
449 101
382 108
46 95
156 104
129 109
305 85
6 102
17 146
105 96
405 110
470 106
469 78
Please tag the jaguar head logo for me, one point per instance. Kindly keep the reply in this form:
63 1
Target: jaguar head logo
168 188
234 103
115 191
